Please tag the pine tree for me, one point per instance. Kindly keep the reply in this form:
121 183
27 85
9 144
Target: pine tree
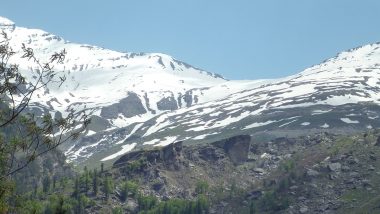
95 182
252 208
35 190
46 184
124 191
77 188
59 209
108 187
86 180
54 182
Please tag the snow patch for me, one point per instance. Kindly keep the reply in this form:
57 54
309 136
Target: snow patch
130 134
348 120
317 112
325 126
167 141
254 125
125 149
151 142
285 124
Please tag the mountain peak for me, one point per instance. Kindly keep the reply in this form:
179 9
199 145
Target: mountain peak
6 23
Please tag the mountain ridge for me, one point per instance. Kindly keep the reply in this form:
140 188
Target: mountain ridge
141 100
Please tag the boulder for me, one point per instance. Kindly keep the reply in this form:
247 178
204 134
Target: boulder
334 167
259 170
237 148
312 173
304 209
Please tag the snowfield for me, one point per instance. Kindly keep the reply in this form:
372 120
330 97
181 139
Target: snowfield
152 99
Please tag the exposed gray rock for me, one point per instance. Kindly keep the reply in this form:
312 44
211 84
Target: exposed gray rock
188 98
334 167
167 103
236 147
98 124
259 170
304 209
353 160
312 173
128 107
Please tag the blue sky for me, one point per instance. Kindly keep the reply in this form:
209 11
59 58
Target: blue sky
240 39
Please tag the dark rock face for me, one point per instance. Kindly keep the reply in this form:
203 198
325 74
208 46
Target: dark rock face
210 153
377 141
236 147
129 107
172 151
188 98
172 154
169 155
98 124
130 156
167 103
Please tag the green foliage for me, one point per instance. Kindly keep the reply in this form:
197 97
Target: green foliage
146 202
46 184
124 191
95 182
57 204
272 201
201 187
76 188
173 206
86 180
117 210
252 208
136 165
6 190
25 137
132 188
283 185
288 165
202 205
108 186
233 189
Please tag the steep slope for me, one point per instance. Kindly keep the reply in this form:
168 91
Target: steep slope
339 95
117 89
142 100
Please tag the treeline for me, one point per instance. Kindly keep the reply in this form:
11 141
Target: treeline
93 188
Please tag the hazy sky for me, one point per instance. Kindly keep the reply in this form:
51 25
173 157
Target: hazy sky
240 39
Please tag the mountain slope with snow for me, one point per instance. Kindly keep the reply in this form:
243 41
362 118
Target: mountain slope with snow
150 99
340 95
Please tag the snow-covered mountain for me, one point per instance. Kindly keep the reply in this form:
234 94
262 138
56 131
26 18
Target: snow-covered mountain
152 99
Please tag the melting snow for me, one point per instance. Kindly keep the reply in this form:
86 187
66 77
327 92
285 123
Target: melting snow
348 120
254 125
316 112
125 149
325 126
167 141
200 137
131 133
151 142
287 123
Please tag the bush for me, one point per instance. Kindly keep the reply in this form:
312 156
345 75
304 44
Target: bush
201 187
